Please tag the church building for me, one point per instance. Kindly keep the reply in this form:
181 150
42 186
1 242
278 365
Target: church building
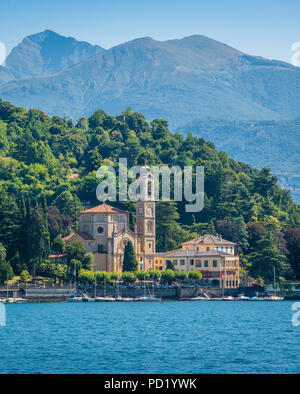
104 231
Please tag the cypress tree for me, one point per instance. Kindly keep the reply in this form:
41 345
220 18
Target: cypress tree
129 260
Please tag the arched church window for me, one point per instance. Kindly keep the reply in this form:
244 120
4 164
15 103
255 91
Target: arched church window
149 227
149 188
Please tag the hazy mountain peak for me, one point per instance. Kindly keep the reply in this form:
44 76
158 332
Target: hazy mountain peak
47 52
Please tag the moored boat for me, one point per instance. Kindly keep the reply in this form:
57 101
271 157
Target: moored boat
149 299
256 299
20 300
75 299
229 298
104 299
273 298
124 299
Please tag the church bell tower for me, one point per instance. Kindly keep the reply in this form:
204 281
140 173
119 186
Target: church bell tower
145 220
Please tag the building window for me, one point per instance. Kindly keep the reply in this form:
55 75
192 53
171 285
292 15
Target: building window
215 263
100 248
175 262
197 249
100 230
207 248
198 263
205 263
191 262
149 227
182 262
149 189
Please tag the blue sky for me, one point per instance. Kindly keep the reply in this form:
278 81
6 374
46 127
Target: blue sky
266 28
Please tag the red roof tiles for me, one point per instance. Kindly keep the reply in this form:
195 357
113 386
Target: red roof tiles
103 208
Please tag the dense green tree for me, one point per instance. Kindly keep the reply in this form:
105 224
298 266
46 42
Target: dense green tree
153 274
129 277
74 267
6 271
36 236
17 264
102 277
86 276
88 261
292 237
180 275
129 260
97 119
58 245
59 224
68 204
266 256
25 277
170 234
76 250
195 275
2 253
93 160
168 276
9 223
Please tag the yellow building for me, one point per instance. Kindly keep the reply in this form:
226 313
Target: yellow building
213 256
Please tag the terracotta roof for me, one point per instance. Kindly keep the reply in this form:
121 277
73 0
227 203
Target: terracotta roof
68 237
103 208
195 253
209 239
85 236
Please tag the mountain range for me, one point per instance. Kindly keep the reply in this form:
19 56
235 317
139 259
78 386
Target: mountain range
186 81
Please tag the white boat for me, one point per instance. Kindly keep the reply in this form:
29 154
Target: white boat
149 299
75 299
88 299
20 300
229 298
124 299
9 300
273 298
199 299
242 298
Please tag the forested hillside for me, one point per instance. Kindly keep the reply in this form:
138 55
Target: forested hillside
47 175
273 144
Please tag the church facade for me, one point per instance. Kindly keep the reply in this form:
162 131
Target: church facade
104 231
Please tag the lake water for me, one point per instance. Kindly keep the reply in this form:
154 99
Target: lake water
167 337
